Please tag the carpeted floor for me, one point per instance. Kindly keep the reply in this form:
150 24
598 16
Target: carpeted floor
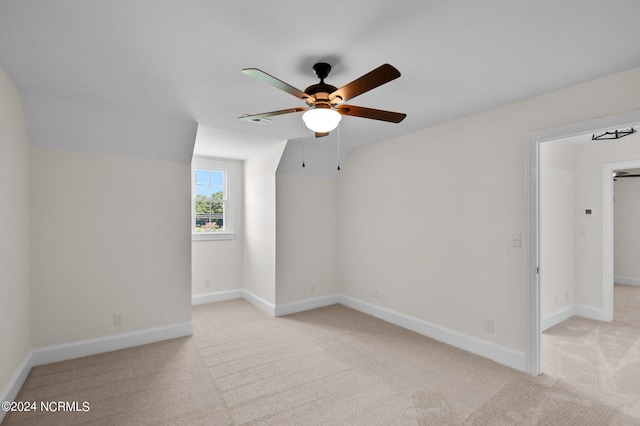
336 366
599 358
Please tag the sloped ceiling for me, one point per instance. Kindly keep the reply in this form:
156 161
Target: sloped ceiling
177 63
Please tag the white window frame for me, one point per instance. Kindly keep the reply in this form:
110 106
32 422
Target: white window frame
228 168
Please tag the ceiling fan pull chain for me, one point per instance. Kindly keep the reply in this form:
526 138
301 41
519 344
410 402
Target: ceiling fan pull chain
338 148
303 141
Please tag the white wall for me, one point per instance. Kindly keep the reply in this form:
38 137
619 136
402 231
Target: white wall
109 234
15 311
627 229
220 261
65 124
427 219
259 248
557 227
307 237
589 161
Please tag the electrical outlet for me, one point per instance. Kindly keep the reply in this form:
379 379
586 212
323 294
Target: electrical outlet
488 325
207 283
117 318
373 293
313 288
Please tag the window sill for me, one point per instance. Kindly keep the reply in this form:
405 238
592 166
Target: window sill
213 236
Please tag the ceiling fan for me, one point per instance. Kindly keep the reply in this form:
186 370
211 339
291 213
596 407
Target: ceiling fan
325 103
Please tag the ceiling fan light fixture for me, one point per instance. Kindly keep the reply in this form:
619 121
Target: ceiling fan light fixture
321 119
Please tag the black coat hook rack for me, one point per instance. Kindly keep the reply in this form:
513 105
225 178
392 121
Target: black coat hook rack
616 134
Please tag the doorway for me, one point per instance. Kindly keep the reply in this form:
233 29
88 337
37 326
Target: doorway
532 265
608 231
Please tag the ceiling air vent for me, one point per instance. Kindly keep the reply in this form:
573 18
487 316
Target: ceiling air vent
258 120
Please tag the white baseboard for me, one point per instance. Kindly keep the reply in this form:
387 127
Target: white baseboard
241 293
558 317
626 280
589 312
570 311
270 308
307 304
81 348
16 381
258 301
483 348
218 296
77 349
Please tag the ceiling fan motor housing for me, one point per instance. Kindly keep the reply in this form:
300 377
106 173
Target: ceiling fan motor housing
321 91
322 70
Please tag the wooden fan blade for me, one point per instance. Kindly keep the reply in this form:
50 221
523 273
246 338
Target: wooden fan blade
256 117
379 76
321 134
375 114
278 84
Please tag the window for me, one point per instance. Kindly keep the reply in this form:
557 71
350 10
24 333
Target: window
211 199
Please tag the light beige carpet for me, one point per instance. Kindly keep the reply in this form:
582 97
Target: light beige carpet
598 358
336 366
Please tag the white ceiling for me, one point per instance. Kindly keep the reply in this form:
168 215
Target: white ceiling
182 59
